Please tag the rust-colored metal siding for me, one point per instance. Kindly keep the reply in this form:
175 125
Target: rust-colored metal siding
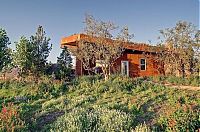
133 58
78 68
134 65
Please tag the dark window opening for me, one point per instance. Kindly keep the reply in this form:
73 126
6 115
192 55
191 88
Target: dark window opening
143 64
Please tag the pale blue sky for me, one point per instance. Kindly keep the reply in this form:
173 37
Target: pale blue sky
63 17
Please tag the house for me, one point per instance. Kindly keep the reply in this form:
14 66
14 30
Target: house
137 59
10 74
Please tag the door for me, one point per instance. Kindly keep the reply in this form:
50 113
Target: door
125 68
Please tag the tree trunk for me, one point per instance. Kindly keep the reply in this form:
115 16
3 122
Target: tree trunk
4 76
183 70
106 72
106 77
191 67
88 71
109 71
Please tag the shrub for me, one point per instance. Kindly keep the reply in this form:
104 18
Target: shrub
142 128
191 80
181 121
90 79
123 83
195 81
135 111
93 119
58 103
102 88
5 85
45 89
116 104
28 110
9 119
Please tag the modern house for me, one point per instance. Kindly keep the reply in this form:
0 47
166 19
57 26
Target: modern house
137 59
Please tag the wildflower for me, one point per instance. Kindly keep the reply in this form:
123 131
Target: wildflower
4 110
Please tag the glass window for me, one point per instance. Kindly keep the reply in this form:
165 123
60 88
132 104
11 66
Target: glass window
143 64
125 68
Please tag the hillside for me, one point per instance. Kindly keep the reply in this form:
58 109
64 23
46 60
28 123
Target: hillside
92 104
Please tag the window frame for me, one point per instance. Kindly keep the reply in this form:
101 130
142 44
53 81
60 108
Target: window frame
145 64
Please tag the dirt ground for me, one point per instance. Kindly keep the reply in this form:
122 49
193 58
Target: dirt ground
183 87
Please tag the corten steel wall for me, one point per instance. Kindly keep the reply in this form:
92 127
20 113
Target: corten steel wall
133 54
78 68
134 65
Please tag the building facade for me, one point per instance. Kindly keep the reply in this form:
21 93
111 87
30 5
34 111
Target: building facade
137 59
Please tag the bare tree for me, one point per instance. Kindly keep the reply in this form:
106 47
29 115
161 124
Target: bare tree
179 48
101 45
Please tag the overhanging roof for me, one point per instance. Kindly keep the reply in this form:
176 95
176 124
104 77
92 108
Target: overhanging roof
73 40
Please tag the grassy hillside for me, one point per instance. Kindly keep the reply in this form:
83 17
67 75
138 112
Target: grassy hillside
92 104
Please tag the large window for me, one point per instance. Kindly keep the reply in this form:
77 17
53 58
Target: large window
125 68
143 64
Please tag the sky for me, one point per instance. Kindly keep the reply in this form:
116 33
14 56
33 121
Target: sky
61 18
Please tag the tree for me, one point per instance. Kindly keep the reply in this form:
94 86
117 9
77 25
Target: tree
31 55
5 52
23 58
180 48
64 62
101 45
41 49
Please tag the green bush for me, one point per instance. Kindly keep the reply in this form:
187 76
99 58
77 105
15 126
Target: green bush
5 85
10 119
102 87
92 119
123 83
28 110
123 103
190 80
58 103
142 128
181 121
90 79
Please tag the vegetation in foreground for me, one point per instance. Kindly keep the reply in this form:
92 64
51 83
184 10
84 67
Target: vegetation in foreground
92 104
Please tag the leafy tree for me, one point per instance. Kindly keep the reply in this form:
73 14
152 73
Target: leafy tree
5 52
23 58
31 55
64 62
101 45
180 48
41 49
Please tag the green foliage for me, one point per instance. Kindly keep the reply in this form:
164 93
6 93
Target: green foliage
23 56
93 119
91 103
31 55
58 103
27 110
4 85
182 44
142 128
9 119
189 81
181 121
5 55
101 50
64 62
123 83
41 50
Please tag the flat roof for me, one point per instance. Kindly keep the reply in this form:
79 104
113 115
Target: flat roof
74 39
